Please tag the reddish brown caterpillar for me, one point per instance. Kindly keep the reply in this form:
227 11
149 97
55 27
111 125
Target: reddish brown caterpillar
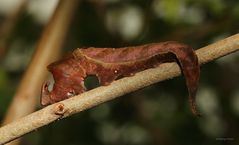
109 63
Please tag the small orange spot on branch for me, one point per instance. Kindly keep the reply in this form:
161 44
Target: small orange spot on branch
60 109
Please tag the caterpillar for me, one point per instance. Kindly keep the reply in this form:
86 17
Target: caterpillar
109 64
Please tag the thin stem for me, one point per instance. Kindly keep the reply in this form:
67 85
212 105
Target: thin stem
103 94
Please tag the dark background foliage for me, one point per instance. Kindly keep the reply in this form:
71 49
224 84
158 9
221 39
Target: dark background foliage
158 114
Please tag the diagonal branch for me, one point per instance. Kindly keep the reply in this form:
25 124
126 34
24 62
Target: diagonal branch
105 93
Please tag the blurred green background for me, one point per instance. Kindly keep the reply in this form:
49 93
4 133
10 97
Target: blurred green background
158 114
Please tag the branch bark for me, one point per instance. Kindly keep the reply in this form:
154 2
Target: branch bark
103 94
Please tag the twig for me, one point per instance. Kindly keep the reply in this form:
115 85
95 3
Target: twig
49 46
105 93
